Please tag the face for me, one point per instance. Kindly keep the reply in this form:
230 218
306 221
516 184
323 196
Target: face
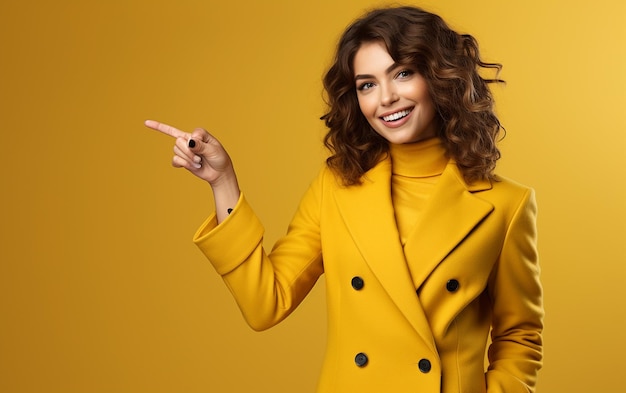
393 98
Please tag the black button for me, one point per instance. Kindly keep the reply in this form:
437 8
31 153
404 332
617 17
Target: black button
452 285
424 365
357 283
360 359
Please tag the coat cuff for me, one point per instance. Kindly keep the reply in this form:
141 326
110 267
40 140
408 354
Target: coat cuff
230 243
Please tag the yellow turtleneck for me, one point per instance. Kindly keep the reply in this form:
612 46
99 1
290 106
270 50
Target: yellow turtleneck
416 167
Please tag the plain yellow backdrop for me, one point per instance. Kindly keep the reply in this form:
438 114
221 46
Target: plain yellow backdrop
101 289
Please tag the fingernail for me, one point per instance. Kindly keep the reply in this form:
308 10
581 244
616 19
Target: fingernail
192 143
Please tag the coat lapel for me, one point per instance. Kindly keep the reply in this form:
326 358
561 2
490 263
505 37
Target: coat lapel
368 213
450 215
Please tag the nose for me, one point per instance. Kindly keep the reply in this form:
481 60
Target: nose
389 94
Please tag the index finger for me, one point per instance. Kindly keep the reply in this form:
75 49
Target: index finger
166 129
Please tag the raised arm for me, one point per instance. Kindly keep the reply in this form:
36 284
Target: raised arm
204 156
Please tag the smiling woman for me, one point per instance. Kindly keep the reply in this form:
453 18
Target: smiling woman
447 62
394 100
101 288
425 251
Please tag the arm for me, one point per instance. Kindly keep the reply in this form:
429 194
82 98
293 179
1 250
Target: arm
267 288
515 355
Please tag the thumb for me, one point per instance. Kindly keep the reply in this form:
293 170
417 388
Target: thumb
197 140
205 145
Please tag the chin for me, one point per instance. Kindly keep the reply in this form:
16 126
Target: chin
403 140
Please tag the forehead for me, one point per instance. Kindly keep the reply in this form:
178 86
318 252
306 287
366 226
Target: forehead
372 58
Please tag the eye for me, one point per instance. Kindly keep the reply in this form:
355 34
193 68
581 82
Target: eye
404 74
365 86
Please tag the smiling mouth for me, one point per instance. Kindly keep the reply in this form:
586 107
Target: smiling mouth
398 115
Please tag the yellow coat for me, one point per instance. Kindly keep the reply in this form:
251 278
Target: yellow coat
389 333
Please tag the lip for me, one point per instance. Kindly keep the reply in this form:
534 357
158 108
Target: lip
397 123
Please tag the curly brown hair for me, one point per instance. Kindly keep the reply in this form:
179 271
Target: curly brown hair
450 63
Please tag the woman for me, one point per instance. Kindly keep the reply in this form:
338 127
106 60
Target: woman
425 250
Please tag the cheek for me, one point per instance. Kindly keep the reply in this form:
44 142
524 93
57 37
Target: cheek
367 106
417 91
419 88
429 105
421 95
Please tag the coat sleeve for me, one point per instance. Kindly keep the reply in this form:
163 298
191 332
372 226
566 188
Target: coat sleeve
515 355
267 288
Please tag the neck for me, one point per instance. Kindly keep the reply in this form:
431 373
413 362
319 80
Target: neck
421 159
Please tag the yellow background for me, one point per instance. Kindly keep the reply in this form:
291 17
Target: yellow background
101 289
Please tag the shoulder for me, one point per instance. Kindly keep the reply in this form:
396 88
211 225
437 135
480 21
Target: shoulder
498 190
509 196
326 177
502 184
330 180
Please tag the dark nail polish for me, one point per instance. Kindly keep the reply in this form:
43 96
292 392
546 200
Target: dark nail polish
192 143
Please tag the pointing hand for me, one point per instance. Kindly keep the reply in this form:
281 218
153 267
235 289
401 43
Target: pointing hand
198 152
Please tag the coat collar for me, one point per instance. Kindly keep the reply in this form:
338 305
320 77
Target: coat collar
451 214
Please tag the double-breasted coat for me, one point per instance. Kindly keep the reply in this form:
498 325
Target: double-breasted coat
391 330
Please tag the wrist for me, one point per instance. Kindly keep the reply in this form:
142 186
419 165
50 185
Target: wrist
226 195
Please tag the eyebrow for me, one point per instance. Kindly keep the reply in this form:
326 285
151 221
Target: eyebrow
368 76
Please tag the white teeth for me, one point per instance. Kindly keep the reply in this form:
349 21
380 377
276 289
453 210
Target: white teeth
397 115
